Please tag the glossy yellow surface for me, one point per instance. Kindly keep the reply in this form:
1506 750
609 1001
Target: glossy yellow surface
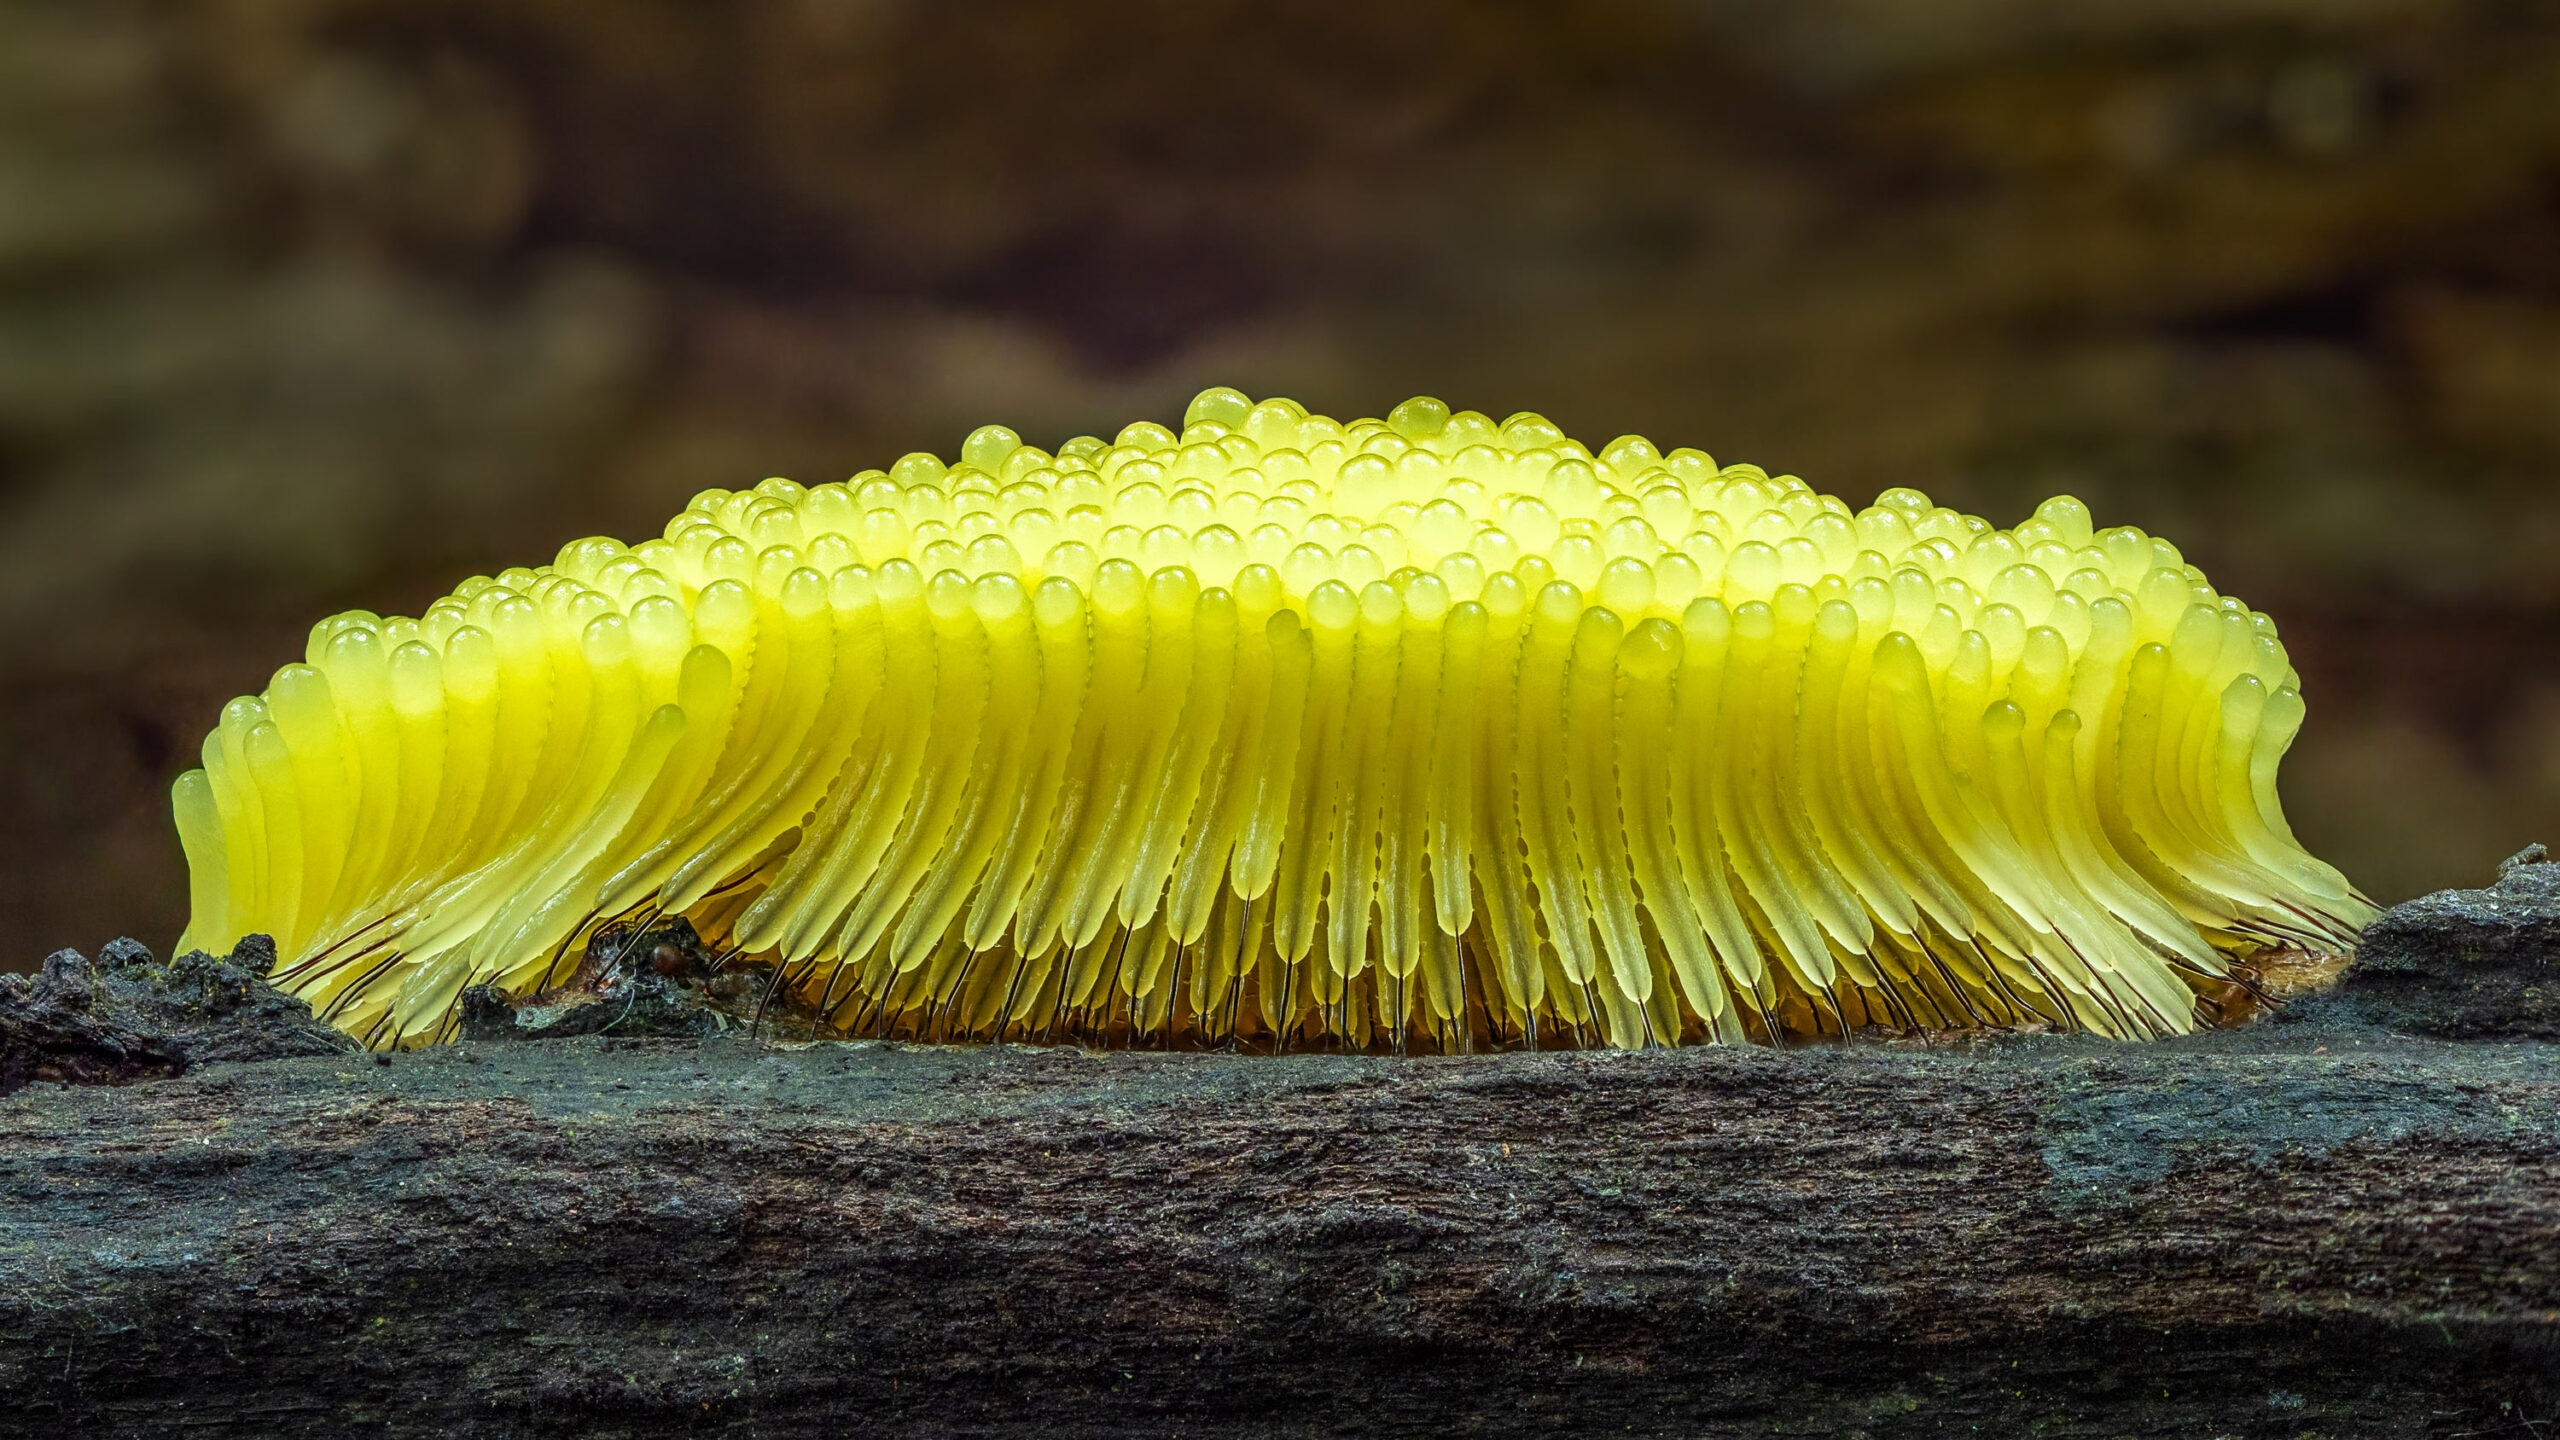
1425 731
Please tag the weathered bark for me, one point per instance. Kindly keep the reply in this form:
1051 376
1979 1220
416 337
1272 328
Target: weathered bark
128 1018
2307 1227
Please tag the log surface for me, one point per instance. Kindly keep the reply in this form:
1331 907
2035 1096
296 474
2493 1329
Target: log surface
2308 1227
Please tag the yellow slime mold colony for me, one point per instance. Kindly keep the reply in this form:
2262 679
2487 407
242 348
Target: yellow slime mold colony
1423 732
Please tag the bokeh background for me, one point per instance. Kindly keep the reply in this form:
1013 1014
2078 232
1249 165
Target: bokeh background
307 304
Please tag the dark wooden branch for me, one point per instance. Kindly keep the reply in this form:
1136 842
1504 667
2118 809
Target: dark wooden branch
2307 1227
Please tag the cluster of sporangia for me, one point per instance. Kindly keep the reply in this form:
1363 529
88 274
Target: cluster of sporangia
1426 731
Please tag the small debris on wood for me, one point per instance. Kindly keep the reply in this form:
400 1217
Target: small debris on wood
654 981
127 1017
2468 963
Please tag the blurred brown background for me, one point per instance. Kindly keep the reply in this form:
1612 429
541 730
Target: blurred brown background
307 304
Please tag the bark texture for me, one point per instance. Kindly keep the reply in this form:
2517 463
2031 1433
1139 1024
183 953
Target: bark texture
2312 1227
126 1017
2469 964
